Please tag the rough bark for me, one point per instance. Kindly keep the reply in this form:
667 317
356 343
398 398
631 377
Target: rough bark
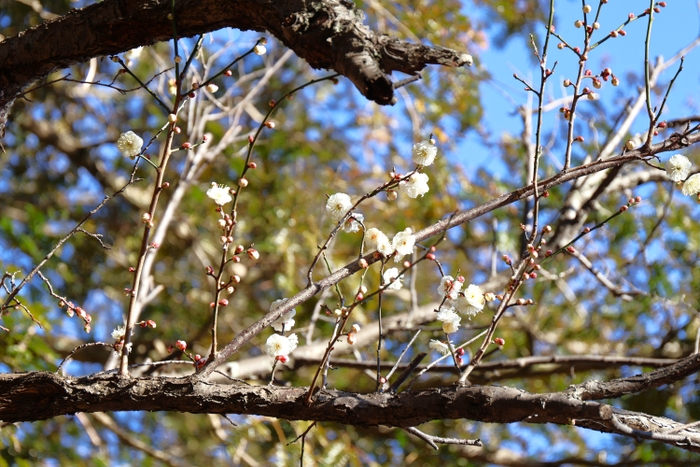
328 34
42 395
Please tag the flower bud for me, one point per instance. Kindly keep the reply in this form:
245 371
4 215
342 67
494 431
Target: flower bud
253 254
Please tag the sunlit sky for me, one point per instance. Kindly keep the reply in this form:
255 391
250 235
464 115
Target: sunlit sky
674 28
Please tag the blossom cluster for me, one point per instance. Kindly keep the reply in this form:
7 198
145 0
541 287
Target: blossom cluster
677 169
467 302
416 184
278 345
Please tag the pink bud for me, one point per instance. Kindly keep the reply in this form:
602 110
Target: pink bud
499 341
182 345
253 254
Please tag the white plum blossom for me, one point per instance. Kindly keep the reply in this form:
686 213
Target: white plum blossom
439 346
678 168
352 225
692 185
338 205
403 243
129 144
450 320
286 321
377 239
279 347
390 275
119 333
220 194
424 153
472 302
416 185
259 49
449 287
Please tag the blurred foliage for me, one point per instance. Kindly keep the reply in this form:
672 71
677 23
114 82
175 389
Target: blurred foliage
61 161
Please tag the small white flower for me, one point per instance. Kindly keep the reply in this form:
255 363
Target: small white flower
450 320
338 205
692 185
439 346
449 287
119 333
281 346
424 153
377 239
286 321
129 144
259 49
352 225
220 194
416 185
390 275
472 302
403 243
678 168
212 88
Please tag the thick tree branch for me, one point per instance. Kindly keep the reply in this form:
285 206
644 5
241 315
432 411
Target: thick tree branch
328 34
39 396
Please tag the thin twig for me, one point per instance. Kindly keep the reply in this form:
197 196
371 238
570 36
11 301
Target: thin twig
434 440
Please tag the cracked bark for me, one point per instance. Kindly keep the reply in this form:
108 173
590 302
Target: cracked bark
328 34
42 395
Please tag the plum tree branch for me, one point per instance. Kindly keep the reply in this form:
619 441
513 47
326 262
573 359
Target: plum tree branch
328 34
41 395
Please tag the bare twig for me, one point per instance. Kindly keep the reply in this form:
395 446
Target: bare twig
433 441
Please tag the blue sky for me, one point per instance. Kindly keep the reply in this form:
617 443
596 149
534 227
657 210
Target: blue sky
675 27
